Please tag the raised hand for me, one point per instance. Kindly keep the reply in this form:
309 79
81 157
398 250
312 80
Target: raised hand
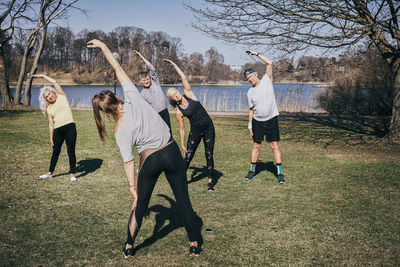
95 43
169 62
251 52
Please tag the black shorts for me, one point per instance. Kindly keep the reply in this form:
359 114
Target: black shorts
268 128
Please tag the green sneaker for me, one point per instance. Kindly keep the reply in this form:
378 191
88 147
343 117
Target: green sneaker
250 176
281 179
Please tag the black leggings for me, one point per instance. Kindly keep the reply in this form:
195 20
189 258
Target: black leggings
195 135
67 133
168 160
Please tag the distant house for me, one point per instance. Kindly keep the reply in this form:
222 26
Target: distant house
236 68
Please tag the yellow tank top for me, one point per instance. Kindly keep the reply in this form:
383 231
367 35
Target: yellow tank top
60 111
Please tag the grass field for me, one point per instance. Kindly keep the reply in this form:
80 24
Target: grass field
339 206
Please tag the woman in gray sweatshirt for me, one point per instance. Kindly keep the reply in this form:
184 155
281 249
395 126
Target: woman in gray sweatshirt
138 124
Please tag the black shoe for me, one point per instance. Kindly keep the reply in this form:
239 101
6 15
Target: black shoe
210 187
281 179
250 176
194 251
128 252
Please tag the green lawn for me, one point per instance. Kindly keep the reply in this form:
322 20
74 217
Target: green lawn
339 206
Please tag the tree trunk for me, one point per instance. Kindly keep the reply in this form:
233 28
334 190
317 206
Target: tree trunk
394 130
28 48
27 98
4 87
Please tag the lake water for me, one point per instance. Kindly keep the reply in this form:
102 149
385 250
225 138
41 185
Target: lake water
290 97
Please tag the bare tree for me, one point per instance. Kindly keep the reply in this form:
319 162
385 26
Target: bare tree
10 12
214 60
296 25
48 11
55 9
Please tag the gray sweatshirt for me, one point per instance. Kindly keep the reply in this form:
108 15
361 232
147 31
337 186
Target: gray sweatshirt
154 95
140 125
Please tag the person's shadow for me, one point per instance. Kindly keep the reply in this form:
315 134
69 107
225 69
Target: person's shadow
87 166
201 173
84 166
266 166
170 214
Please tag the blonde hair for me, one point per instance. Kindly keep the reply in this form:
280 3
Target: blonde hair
42 101
172 90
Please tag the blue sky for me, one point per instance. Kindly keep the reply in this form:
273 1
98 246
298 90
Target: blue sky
168 16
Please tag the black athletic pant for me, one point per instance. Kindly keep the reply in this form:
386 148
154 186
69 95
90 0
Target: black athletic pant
195 135
168 160
67 133
164 114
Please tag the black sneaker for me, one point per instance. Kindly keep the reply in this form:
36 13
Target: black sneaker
210 187
194 251
250 176
128 252
281 179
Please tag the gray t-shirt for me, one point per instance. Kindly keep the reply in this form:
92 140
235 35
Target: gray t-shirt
140 125
154 95
261 99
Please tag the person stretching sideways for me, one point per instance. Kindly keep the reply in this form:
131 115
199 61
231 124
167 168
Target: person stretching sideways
263 116
201 125
152 91
138 124
54 104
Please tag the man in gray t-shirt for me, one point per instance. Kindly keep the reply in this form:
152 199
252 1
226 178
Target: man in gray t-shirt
152 91
263 116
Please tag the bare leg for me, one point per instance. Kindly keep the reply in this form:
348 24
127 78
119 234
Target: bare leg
277 152
255 152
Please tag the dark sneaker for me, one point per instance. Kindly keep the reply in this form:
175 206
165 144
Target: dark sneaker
250 176
210 187
128 252
194 251
281 179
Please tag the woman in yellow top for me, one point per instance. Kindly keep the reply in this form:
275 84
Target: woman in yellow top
54 105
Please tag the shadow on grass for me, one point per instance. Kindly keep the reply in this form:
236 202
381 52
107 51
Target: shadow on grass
84 167
87 166
371 125
266 166
171 214
201 173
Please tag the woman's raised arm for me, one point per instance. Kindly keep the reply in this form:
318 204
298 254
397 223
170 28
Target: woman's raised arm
121 75
186 86
148 64
54 82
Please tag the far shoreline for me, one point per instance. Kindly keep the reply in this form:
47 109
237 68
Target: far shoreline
230 83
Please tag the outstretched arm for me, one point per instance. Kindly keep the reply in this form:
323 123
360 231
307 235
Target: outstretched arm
268 62
54 82
148 64
121 75
186 86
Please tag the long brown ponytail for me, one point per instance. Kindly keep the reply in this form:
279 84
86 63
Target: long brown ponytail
107 102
